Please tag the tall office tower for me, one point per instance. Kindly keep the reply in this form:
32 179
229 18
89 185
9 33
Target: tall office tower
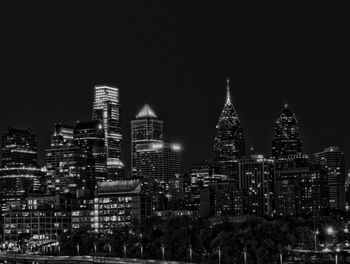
287 139
257 182
106 109
90 137
229 142
144 130
20 174
301 188
65 163
332 161
156 164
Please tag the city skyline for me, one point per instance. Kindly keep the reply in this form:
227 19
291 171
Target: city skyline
180 77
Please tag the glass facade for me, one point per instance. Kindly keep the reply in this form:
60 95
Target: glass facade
144 130
287 140
229 142
106 110
20 174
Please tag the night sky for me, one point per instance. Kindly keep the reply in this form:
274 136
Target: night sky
175 57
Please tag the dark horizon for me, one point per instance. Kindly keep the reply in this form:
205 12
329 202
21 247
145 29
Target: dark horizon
176 58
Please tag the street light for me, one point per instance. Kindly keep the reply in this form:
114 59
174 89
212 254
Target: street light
316 233
330 232
141 246
281 257
219 254
245 254
110 249
337 250
163 250
190 248
124 247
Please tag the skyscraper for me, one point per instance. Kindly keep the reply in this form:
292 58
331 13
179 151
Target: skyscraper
90 138
145 129
156 165
287 139
20 174
65 163
157 161
106 109
229 142
332 161
301 188
257 183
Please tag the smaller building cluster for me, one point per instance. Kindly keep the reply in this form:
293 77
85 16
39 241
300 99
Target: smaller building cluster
85 183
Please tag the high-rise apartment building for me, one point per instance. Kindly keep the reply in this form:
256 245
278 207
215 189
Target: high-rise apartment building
20 174
332 161
106 110
145 129
287 139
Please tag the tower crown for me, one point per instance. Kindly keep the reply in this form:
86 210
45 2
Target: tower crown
228 92
146 112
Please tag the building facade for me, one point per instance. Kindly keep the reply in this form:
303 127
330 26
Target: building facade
331 160
257 182
117 203
145 129
287 139
89 137
229 142
66 163
301 189
20 174
106 110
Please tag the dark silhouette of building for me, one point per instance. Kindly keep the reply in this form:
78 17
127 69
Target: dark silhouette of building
20 174
145 129
221 199
287 139
332 161
106 110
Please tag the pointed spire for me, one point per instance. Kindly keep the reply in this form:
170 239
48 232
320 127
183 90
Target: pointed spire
228 93
146 112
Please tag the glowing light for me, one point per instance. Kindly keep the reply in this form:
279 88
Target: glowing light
175 147
146 111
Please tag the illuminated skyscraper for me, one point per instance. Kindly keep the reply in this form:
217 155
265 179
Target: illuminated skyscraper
144 130
287 139
106 109
229 142
65 163
257 183
156 165
89 136
20 174
332 161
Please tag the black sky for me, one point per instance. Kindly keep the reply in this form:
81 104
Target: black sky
175 57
